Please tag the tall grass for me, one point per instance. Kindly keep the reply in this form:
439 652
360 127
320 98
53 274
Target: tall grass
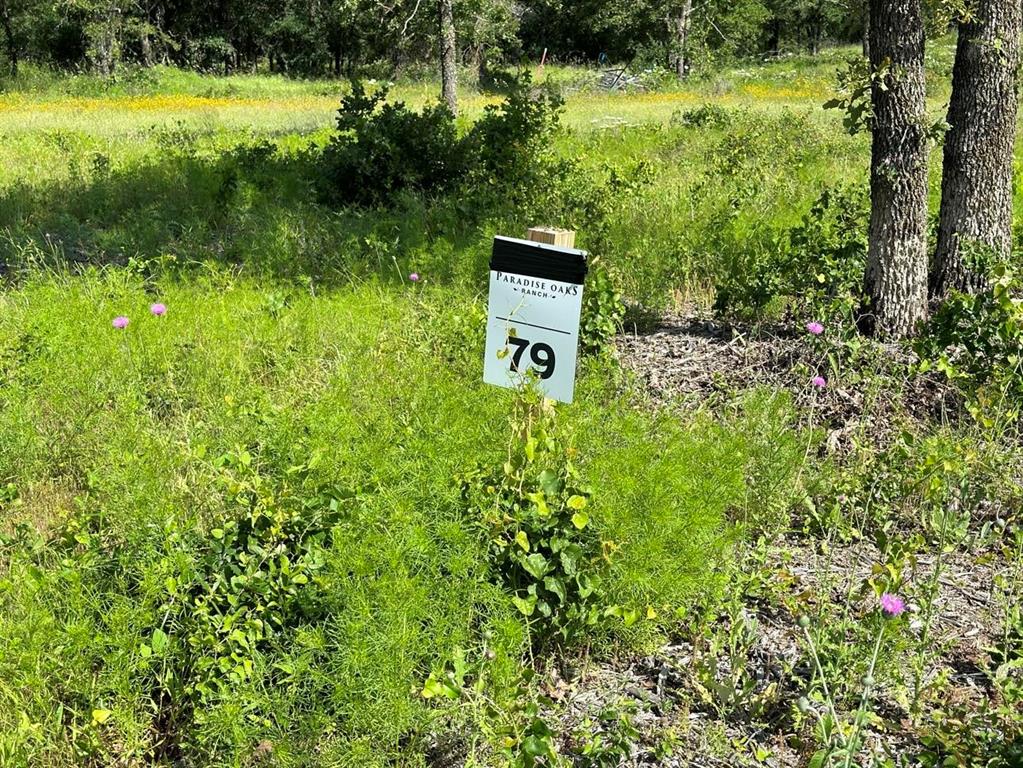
297 366
110 447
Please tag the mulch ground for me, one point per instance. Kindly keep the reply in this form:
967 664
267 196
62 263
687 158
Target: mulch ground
691 360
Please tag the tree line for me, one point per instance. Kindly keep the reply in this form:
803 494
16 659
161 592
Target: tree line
341 37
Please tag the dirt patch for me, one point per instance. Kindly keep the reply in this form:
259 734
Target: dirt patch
692 359
677 727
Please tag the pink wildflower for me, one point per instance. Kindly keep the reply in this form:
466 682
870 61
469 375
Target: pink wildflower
815 328
158 309
820 382
892 605
414 277
120 322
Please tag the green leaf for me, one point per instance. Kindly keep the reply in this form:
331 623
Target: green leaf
526 606
576 502
159 641
535 746
522 540
580 520
557 586
570 557
436 686
535 564
531 448
549 482
101 715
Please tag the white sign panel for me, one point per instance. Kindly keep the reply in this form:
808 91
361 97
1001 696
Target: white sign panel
533 318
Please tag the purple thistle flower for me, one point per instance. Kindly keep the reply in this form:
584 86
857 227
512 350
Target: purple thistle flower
158 309
414 277
892 605
120 322
820 382
815 328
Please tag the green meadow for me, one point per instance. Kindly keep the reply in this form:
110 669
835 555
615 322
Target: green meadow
239 532
297 366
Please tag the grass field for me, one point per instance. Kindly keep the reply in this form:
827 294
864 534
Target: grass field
125 451
236 533
144 170
128 450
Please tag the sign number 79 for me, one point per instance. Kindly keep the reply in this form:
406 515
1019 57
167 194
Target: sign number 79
540 354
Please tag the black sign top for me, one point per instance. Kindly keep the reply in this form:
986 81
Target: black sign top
550 262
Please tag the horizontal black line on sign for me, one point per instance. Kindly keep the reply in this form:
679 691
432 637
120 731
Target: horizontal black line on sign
547 262
531 325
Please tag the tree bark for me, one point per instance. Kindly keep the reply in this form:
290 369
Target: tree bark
107 42
147 49
866 30
448 70
678 28
12 44
896 279
976 183
774 44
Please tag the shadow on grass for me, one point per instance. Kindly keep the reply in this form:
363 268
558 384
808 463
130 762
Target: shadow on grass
252 208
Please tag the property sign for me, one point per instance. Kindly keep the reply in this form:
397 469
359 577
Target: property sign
536 294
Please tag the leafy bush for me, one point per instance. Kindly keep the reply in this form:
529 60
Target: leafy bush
257 576
704 116
977 342
607 740
603 309
509 143
381 149
541 545
816 269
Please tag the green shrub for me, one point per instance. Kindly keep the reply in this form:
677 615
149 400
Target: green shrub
511 142
977 342
816 268
542 548
707 116
382 149
603 309
256 577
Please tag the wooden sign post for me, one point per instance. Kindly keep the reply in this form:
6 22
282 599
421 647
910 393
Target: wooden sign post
563 238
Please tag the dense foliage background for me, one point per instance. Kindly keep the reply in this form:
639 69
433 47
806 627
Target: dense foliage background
319 37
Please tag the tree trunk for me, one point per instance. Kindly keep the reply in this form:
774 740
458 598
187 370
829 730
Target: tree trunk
866 30
815 29
774 44
896 279
976 183
147 49
678 28
448 71
107 43
12 44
